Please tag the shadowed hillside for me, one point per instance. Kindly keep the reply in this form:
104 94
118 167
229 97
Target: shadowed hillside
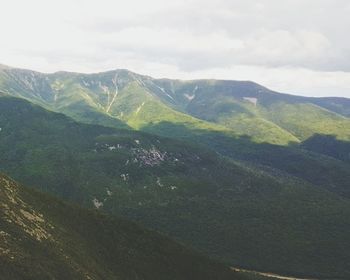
43 238
245 216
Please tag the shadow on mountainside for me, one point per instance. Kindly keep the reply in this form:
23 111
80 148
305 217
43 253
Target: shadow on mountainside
321 160
233 214
328 145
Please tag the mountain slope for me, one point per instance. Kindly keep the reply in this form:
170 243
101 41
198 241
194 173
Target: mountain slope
328 145
201 111
230 102
39 241
245 108
218 206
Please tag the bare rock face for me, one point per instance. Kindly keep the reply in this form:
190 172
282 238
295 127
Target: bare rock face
150 157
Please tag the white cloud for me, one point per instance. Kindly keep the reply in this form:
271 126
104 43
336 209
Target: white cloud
292 45
281 48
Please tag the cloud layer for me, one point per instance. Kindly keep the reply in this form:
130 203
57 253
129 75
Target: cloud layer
291 45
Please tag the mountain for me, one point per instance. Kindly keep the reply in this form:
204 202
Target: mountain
250 217
232 107
231 117
44 238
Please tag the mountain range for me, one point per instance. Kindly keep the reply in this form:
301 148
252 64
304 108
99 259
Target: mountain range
237 107
250 177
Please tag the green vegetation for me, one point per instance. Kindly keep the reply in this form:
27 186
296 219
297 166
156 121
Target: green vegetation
252 217
44 238
328 145
233 108
305 120
252 177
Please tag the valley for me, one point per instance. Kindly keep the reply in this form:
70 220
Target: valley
38 241
245 175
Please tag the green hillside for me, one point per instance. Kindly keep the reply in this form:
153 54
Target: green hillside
211 112
328 145
251 109
44 238
246 217
120 97
306 120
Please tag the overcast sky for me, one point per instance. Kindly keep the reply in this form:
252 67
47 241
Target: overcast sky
295 46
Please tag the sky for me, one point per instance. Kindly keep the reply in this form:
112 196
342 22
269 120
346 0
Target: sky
295 46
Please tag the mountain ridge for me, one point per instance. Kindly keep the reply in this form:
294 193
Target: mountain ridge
98 92
167 79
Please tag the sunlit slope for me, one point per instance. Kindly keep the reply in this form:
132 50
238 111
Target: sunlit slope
239 105
118 97
231 117
109 98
